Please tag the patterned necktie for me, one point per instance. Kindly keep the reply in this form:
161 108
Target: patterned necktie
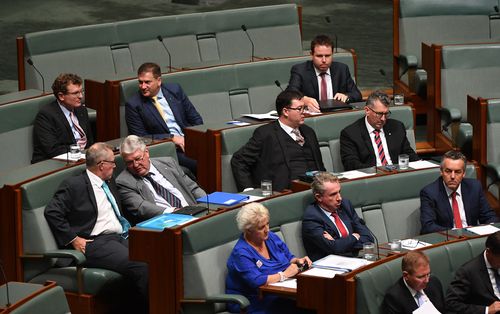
82 142
158 106
324 89
380 148
420 298
173 200
298 137
340 225
456 212
125 224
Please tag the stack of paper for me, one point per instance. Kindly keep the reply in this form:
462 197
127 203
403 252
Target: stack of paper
340 263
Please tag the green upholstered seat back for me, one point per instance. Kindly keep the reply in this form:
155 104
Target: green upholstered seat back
52 301
16 131
372 284
493 131
469 70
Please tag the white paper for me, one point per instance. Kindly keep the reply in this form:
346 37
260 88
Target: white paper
66 156
252 198
427 308
289 283
321 272
340 263
483 230
354 174
262 116
413 244
235 122
422 164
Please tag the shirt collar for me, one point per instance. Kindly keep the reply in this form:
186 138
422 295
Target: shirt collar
94 179
318 72
370 128
449 191
412 291
160 94
285 127
64 109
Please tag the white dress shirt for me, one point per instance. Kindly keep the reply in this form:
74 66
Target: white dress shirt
328 78
173 126
375 148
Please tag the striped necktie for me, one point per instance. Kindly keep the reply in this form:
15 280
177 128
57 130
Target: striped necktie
380 147
173 200
82 142
298 137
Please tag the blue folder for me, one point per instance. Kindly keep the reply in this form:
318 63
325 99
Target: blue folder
223 198
165 221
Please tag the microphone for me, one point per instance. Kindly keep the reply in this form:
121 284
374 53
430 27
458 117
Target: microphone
168 52
362 221
30 62
6 285
328 20
278 84
244 28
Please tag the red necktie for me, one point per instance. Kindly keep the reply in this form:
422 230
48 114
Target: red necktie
324 89
340 225
380 148
456 212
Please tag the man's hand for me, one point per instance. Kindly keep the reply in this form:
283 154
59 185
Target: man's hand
312 104
341 97
80 244
356 235
494 307
178 141
327 236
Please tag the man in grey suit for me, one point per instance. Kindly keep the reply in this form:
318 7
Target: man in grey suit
150 187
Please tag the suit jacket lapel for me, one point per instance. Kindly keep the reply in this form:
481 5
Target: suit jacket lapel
61 117
329 225
313 79
390 144
90 191
174 105
280 138
366 137
445 202
162 168
466 198
152 111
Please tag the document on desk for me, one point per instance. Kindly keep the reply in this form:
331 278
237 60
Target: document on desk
422 164
354 174
483 230
289 283
322 272
340 263
413 244
67 157
427 308
262 116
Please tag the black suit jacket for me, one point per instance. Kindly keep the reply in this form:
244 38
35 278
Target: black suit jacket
143 119
315 222
303 78
436 213
264 157
73 209
398 299
356 149
52 133
471 290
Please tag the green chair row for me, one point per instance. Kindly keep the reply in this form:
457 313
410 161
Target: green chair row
224 93
327 128
389 210
434 21
116 50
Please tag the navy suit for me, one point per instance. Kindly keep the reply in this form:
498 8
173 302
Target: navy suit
303 78
398 299
471 290
52 134
315 222
436 213
356 149
143 119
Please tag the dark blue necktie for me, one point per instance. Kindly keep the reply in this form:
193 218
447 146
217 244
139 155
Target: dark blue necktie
173 200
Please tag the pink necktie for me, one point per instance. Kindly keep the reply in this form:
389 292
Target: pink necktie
324 89
82 142
380 148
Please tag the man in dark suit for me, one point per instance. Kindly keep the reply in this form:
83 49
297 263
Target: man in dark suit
331 225
474 290
453 201
63 122
280 151
161 111
141 197
85 215
321 78
374 140
416 288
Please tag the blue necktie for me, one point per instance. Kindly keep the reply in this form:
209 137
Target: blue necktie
173 200
125 224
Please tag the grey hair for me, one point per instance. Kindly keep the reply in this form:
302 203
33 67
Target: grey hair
454 155
249 216
318 184
131 144
96 153
380 96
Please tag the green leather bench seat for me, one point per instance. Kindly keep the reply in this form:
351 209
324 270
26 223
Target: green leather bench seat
372 284
52 301
38 239
226 92
116 50
327 128
389 210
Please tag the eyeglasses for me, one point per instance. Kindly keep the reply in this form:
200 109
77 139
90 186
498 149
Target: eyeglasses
77 93
380 114
299 109
136 160
108 161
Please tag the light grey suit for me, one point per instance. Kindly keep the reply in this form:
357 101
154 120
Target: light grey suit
138 200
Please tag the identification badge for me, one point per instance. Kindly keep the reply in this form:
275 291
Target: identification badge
258 263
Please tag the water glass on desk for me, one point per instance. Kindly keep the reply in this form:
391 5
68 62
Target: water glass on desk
74 152
369 251
399 99
267 187
395 245
403 161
